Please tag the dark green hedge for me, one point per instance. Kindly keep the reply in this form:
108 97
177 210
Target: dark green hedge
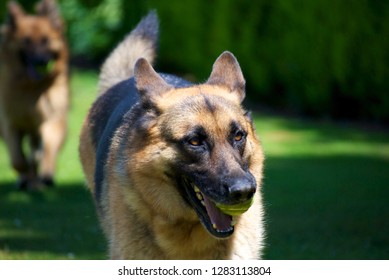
326 58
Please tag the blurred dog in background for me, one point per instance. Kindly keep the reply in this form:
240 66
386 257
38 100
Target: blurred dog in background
34 91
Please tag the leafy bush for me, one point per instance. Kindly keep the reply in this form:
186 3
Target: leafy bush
327 58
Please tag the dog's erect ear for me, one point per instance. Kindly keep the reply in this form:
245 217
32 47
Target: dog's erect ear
148 82
226 72
49 8
14 12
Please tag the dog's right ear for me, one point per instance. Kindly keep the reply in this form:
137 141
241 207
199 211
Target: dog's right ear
50 9
149 83
227 72
15 11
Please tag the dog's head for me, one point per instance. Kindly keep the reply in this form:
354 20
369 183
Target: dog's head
35 42
206 144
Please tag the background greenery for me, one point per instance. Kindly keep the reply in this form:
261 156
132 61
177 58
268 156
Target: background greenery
326 185
325 58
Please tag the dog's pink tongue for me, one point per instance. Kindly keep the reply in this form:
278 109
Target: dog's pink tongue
219 219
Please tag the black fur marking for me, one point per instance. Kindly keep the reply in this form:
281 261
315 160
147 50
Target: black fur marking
234 129
208 104
175 81
126 97
104 106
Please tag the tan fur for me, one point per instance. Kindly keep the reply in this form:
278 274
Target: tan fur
86 148
142 213
36 109
120 64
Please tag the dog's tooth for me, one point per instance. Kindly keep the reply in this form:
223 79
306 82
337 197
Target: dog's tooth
234 221
199 196
203 203
196 189
214 226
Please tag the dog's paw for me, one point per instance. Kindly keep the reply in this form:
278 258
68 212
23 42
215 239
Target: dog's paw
48 181
34 184
22 184
28 185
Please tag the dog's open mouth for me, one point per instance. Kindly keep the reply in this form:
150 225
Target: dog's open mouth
38 71
37 67
217 223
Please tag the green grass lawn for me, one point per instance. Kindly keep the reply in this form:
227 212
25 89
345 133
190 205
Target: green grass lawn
326 193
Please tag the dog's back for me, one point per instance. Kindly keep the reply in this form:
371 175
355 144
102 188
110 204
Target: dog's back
116 92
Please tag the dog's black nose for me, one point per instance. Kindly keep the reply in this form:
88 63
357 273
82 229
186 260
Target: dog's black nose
242 188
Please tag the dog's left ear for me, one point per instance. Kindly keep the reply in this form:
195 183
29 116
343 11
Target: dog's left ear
15 11
49 8
148 82
226 72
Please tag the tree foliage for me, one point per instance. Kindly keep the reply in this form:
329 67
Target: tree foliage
326 58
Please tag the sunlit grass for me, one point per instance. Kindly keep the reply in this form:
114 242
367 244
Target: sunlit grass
293 137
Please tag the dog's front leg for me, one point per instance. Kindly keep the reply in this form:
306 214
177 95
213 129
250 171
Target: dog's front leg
53 134
13 140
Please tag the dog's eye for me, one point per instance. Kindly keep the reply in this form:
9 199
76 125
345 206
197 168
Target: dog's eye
195 141
239 136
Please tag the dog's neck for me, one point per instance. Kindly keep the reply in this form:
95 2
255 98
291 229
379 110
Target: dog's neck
189 240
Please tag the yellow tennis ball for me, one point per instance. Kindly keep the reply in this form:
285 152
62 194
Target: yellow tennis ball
50 66
237 209
46 68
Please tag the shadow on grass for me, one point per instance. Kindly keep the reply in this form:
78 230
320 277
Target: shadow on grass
333 207
59 223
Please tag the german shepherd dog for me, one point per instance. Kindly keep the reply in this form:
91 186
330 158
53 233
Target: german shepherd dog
172 165
34 91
